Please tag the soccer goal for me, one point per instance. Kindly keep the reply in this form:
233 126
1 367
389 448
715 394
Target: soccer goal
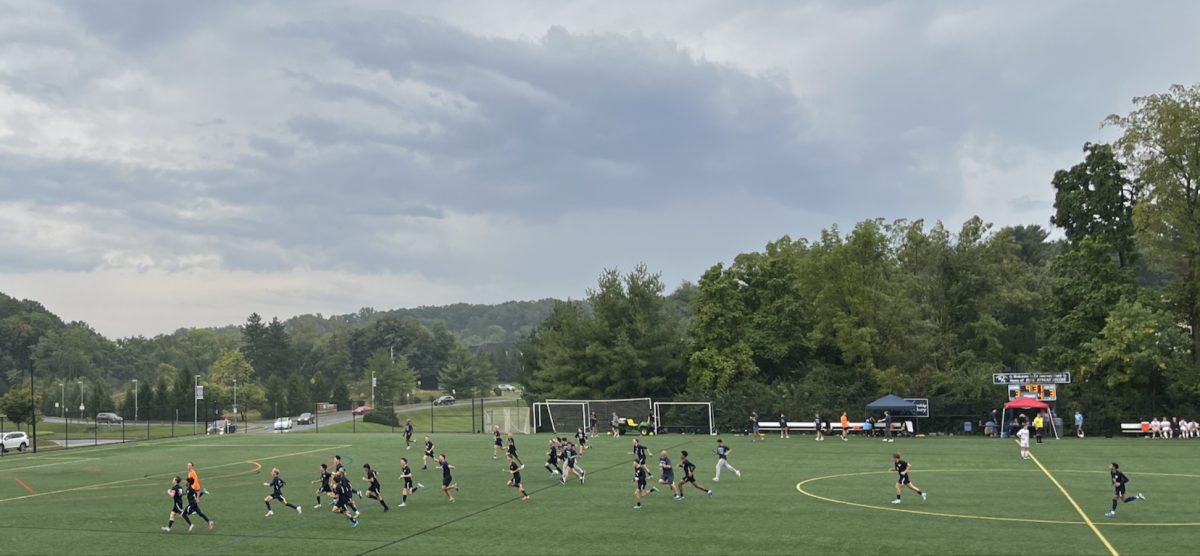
510 420
637 410
559 416
684 417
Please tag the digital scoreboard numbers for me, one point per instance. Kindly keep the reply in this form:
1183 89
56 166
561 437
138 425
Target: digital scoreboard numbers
1041 392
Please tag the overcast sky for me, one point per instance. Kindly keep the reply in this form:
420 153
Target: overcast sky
171 164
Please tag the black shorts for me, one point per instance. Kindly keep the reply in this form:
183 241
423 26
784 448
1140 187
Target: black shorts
1119 491
641 485
192 509
553 462
583 441
570 464
498 444
324 489
668 478
408 437
641 460
373 489
177 508
277 496
447 481
689 480
903 480
408 484
341 503
516 480
429 454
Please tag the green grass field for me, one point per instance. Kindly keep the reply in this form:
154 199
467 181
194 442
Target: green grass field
796 496
455 418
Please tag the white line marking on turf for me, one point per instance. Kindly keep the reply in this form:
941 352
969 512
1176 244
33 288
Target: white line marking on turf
1085 517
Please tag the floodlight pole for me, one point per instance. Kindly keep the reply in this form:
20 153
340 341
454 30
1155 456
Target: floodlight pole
32 401
195 406
135 397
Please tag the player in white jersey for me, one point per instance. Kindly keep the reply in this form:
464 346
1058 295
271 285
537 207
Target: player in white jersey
1023 439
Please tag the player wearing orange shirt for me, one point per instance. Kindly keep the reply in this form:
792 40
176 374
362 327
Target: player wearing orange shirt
195 480
845 426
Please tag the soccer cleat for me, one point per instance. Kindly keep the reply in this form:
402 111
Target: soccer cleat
924 495
403 504
526 497
299 510
637 507
737 472
317 507
359 493
419 487
212 525
653 489
353 523
1140 496
269 513
356 513
709 491
166 529
1110 514
716 479
896 501
190 525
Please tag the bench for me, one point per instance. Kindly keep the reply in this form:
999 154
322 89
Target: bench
829 427
1135 428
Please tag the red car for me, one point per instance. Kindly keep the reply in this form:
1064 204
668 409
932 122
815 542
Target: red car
362 410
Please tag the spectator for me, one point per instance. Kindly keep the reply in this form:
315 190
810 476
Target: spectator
1155 427
1078 423
1039 426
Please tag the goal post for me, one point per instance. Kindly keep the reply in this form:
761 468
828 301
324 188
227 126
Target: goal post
559 416
684 417
510 420
637 409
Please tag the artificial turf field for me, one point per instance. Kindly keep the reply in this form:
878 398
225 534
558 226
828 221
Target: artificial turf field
983 499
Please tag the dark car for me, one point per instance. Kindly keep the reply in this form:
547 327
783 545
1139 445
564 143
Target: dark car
304 419
222 426
444 400
110 418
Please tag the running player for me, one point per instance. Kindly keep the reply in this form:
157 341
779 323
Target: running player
193 498
276 485
581 435
666 472
845 427
552 459
689 476
639 479
195 478
408 432
512 449
1023 440
497 444
406 474
428 453
515 481
902 468
448 483
337 466
1118 481
176 495
344 482
326 487
639 452
572 458
342 497
723 460
374 491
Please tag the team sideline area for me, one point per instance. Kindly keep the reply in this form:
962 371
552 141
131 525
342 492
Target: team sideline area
794 496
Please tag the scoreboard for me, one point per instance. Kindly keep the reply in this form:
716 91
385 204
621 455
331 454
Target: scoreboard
1041 392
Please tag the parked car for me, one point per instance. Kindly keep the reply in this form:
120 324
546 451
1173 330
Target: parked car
222 426
305 419
362 410
507 388
15 440
111 418
283 424
444 400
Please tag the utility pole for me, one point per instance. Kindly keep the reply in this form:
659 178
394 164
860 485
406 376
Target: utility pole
32 401
135 397
195 405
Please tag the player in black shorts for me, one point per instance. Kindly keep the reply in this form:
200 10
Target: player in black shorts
342 497
276 485
667 473
639 479
193 506
406 474
374 491
639 452
902 467
1118 481
552 459
515 481
689 475
408 432
448 483
497 444
594 420
512 449
428 453
337 466
326 487
570 456
581 436
176 495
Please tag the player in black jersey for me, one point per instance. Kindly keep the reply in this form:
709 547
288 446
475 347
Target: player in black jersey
326 487
570 456
448 483
276 485
902 467
639 452
689 475
193 507
374 491
1118 481
343 495
428 453
406 475
593 423
667 473
515 481
512 449
723 460
337 466
497 444
176 495
639 479
552 459
408 432
581 436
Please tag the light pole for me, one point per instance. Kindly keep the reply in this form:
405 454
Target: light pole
372 389
135 396
80 383
235 397
62 406
195 405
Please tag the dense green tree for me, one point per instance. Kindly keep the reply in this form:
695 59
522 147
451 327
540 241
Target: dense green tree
299 395
340 394
17 406
254 338
467 374
1095 199
230 365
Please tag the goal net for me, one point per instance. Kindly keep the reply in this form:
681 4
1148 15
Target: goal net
559 416
510 420
684 417
626 409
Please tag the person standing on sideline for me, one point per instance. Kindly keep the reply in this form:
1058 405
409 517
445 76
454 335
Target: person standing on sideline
902 468
1118 481
783 432
845 427
723 460
616 425
819 427
887 426
1023 440
1078 424
1038 424
755 431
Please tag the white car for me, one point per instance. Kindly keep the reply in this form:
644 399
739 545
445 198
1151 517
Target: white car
507 388
16 440
283 424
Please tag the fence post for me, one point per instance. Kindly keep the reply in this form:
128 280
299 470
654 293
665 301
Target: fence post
473 413
95 433
147 428
66 433
122 431
430 416
353 423
316 419
173 423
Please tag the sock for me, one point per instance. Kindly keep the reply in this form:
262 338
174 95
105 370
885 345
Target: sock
268 506
202 516
404 498
919 492
189 520
897 497
318 500
384 504
1131 499
1114 507
292 506
170 524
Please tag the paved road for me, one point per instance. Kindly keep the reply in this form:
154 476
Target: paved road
329 419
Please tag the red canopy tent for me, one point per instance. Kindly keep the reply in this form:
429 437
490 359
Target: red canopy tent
1028 403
